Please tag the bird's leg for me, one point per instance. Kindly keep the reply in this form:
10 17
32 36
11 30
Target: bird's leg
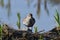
28 28
31 28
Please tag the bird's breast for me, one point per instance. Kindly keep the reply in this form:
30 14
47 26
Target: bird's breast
26 21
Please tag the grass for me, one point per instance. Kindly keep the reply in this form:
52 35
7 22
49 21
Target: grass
0 31
18 22
36 30
57 18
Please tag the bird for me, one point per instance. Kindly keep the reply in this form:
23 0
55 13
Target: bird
29 21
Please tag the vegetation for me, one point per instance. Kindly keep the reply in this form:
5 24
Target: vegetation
36 30
8 6
57 18
0 31
18 22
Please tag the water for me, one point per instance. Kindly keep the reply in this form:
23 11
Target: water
45 22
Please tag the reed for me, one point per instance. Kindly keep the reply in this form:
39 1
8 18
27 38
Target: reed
0 32
18 22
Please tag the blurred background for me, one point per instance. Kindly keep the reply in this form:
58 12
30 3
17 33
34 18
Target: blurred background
42 10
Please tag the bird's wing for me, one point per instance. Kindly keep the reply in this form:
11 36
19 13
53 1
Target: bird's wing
32 22
25 21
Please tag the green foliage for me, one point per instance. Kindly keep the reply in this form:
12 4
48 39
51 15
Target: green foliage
41 37
57 18
36 30
18 22
0 31
18 15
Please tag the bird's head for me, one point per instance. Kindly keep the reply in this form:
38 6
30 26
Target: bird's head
29 15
